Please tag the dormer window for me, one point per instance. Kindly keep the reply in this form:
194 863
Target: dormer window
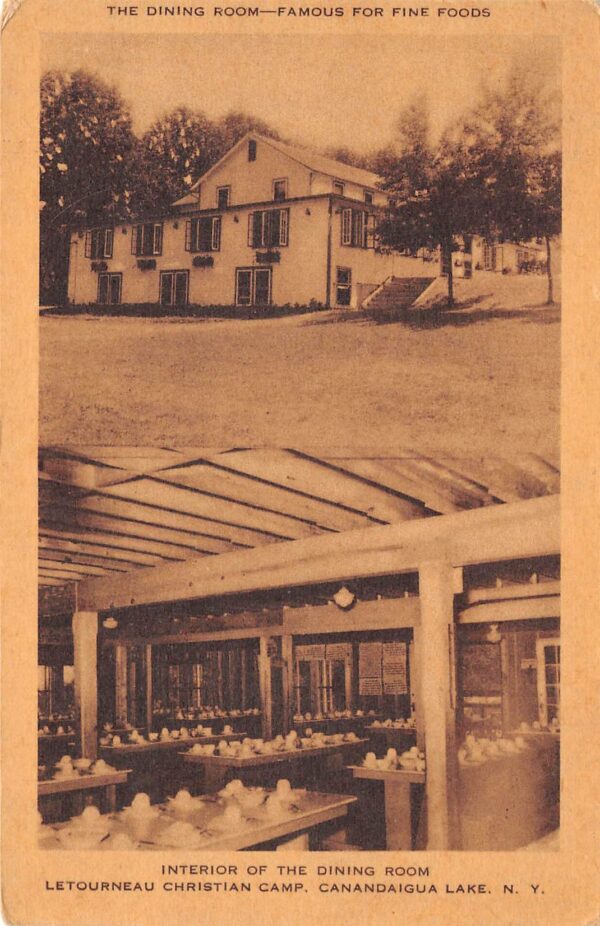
251 150
223 196
338 187
279 190
368 197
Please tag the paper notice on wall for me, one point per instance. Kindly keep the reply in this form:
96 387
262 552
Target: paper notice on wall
310 651
369 669
339 651
394 668
370 686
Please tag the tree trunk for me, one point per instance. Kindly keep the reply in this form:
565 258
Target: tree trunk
448 252
550 299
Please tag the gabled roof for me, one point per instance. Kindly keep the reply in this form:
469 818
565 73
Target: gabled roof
310 159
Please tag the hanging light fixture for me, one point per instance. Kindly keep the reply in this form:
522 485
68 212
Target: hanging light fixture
110 623
344 598
493 635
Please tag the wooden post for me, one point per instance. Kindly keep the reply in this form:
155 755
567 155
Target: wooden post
264 681
149 695
85 646
287 654
120 681
435 652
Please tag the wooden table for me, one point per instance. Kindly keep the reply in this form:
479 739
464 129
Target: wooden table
217 768
129 749
107 782
249 720
398 785
157 767
335 724
396 737
295 829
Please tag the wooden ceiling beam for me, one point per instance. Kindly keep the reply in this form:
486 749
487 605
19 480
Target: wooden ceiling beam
488 534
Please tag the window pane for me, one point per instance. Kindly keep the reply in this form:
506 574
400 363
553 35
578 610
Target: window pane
244 287
103 289
223 197
115 289
262 287
147 239
181 288
166 284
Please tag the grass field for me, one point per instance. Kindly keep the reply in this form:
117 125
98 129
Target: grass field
481 379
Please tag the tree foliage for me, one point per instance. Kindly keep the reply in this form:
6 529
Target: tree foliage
86 146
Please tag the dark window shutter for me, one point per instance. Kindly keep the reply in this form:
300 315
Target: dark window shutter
188 235
251 229
88 244
274 228
205 234
257 229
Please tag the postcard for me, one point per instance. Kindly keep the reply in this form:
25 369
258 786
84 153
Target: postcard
300 463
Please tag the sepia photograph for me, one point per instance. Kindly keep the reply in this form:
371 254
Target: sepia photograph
265 649
221 257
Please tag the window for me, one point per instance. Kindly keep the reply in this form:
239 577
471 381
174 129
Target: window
548 679
338 187
253 286
279 190
146 240
251 150
358 228
109 288
368 197
343 287
223 196
174 287
99 243
268 228
203 234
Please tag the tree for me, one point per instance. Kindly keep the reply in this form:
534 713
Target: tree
516 154
86 146
172 154
235 125
432 188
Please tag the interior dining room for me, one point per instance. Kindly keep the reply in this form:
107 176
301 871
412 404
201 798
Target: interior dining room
268 649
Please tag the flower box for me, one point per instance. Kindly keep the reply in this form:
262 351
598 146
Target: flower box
203 260
147 264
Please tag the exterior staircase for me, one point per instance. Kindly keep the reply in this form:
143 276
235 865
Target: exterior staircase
396 293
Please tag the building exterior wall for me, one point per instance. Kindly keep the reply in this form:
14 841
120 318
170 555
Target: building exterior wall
252 181
299 277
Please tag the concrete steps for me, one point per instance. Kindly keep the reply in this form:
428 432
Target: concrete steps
397 293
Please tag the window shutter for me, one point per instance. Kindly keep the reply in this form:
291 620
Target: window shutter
108 242
251 229
157 239
135 231
273 228
258 229
284 224
88 244
216 234
188 235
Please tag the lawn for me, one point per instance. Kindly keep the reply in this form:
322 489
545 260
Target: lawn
480 380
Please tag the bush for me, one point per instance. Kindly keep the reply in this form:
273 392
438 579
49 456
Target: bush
153 310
